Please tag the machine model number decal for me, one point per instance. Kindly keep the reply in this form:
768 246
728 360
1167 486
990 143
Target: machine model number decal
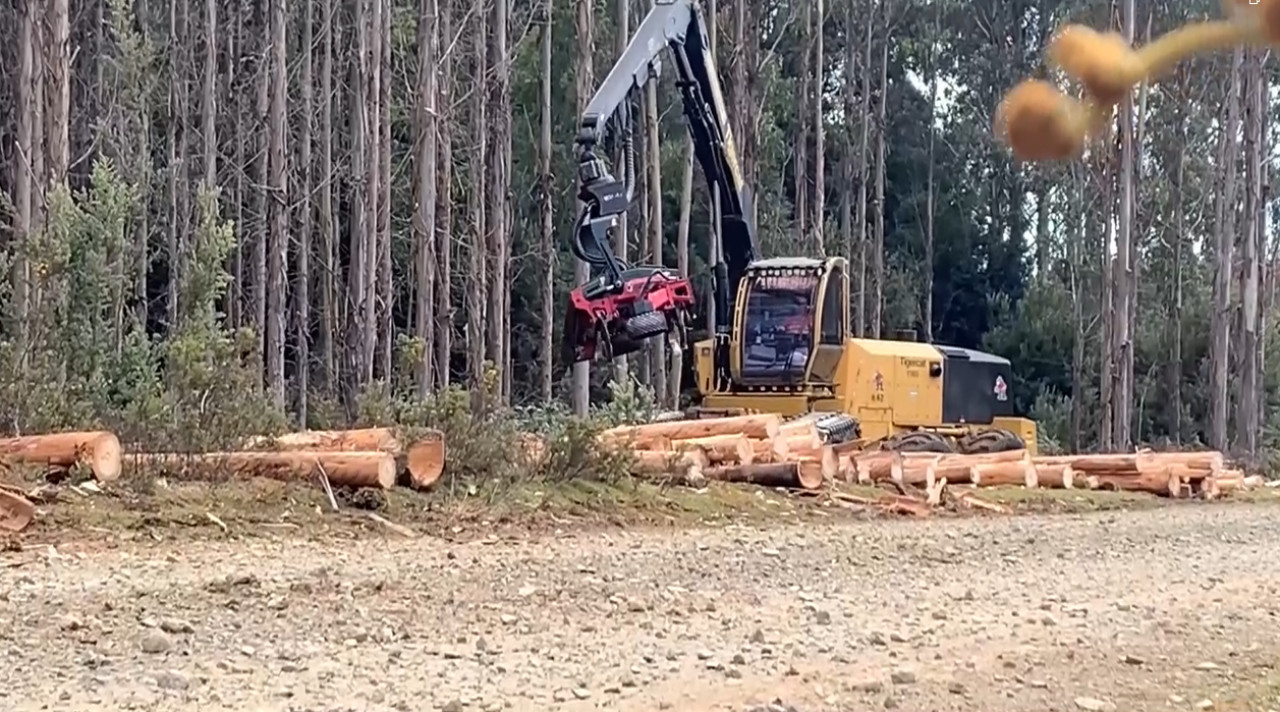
877 384
1001 389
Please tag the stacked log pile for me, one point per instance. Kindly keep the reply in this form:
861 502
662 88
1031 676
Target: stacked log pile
756 449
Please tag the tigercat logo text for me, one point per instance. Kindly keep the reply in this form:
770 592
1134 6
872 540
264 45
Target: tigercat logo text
913 362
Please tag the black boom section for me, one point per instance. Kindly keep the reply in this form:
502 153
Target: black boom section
976 386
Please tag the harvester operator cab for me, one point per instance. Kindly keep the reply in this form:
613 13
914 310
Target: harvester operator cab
792 319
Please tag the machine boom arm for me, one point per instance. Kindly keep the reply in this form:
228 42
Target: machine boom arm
677 25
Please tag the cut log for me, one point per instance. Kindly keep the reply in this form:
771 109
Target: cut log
850 447
751 426
880 466
1055 476
1158 481
825 461
1196 464
1004 474
97 450
802 444
732 449
921 473
350 469
685 468
766 450
794 475
16 511
425 459
360 439
805 424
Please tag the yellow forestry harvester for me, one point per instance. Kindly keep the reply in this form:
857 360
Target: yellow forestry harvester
786 347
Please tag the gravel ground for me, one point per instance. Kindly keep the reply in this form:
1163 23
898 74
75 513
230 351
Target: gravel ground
1174 608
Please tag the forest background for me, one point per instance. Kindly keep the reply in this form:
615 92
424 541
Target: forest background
230 216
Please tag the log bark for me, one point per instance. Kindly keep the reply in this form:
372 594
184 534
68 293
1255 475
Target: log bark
349 469
719 449
806 443
751 426
425 459
97 450
685 468
1004 474
1134 463
878 466
795 475
367 439
16 511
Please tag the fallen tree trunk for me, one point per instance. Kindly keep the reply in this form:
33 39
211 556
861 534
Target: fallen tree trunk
359 439
767 450
794 475
685 468
719 449
751 426
879 466
16 511
425 459
349 469
1195 464
97 450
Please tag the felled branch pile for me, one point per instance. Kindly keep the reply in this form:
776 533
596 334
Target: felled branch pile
757 449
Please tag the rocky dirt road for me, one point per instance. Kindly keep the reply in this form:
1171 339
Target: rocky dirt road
1174 608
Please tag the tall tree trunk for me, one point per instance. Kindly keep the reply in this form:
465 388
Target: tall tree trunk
329 327
58 92
22 176
877 250
819 121
929 172
477 251
624 161
1079 223
1175 302
209 95
1220 324
803 88
657 352
1106 380
444 196
864 174
357 285
262 181
1121 394
386 292
236 299
584 80
372 61
278 245
424 190
547 245
1255 221
177 120
499 185
302 287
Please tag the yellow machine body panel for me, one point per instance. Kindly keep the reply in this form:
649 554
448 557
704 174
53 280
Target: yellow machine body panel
894 376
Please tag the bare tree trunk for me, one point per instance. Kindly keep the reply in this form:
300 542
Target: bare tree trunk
584 74
209 95
1122 394
1220 324
424 189
499 187
385 293
236 299
547 245
357 286
624 163
864 174
1254 216
22 176
58 92
1106 382
1175 321
877 305
657 353
263 199
477 269
819 121
278 245
803 88
302 287
1079 219
686 210
176 119
329 328
929 186
372 62
444 197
